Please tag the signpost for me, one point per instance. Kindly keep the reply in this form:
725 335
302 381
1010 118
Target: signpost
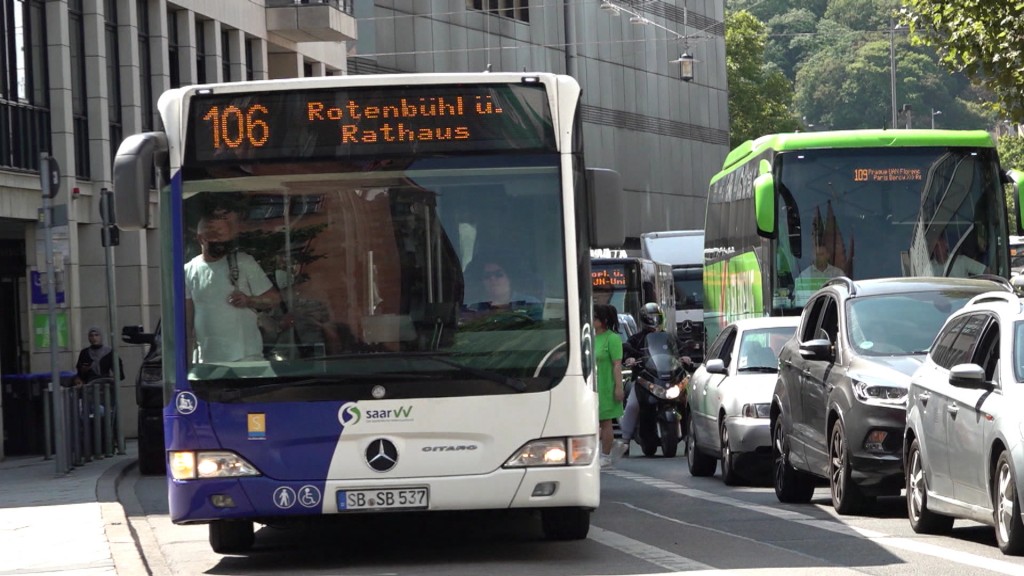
111 239
49 176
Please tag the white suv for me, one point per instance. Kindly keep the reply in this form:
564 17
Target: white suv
963 453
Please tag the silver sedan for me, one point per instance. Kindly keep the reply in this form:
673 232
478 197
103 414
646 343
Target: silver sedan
729 397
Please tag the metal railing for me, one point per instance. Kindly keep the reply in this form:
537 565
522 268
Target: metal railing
87 421
343 5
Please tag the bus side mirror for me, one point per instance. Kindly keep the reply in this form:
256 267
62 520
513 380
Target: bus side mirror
1015 177
607 225
764 205
133 169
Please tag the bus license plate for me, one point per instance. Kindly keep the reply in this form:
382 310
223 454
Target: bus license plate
383 499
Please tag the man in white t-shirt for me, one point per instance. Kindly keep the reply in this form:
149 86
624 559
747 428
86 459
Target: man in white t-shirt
224 289
815 275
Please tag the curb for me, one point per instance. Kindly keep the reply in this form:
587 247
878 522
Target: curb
124 549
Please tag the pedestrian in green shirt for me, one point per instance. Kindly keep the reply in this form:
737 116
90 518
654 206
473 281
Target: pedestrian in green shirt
608 359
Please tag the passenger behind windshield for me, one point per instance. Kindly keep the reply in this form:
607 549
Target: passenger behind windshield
224 290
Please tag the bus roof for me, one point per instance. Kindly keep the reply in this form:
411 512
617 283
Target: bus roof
853 139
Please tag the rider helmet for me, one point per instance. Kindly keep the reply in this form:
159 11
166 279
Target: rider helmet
651 316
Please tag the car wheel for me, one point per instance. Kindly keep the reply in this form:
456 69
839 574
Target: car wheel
791 485
565 523
231 536
699 463
922 520
729 474
1009 527
847 497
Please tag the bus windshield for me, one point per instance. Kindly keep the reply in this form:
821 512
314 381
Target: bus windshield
399 271
868 213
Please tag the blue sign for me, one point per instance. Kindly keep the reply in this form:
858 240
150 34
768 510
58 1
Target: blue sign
39 295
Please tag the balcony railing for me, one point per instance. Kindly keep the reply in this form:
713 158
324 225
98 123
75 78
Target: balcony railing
24 133
343 5
312 20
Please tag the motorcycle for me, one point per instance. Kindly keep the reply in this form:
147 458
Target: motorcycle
659 381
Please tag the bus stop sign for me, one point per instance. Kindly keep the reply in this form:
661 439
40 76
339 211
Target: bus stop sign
49 176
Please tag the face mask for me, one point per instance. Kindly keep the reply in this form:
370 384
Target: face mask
217 249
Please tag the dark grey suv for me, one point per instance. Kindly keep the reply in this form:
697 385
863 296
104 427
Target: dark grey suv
839 407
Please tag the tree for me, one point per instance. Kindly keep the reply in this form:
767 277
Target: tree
1011 155
982 38
792 37
759 93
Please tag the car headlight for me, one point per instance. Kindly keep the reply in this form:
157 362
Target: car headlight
563 451
221 464
880 394
759 410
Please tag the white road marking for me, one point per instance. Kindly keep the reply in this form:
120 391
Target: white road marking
908 544
645 552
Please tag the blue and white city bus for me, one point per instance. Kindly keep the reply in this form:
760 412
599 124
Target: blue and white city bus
370 204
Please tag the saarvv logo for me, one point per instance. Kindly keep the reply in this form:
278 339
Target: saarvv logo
349 414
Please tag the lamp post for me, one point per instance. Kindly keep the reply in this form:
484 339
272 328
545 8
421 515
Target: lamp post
892 68
934 114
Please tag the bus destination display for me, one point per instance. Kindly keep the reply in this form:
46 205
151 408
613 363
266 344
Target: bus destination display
608 278
887 174
367 121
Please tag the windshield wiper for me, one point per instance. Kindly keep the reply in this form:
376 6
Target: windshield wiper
513 383
758 369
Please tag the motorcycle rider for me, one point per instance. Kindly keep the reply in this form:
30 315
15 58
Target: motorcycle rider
652 319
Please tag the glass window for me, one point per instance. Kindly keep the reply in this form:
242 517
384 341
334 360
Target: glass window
872 213
810 325
944 342
719 343
384 268
759 349
962 350
145 67
172 47
902 324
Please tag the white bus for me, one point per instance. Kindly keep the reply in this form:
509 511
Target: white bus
413 251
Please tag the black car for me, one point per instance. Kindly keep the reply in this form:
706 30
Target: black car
149 396
839 407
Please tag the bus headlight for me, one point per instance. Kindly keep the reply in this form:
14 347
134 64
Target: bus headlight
565 451
222 464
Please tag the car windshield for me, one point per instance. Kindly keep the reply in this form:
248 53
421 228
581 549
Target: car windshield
901 324
759 349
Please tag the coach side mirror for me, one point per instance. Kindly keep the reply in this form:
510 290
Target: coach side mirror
133 171
1014 178
607 226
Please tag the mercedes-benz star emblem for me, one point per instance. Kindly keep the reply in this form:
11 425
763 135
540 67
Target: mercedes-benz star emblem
381 455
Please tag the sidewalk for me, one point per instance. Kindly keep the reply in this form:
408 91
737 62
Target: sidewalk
65 524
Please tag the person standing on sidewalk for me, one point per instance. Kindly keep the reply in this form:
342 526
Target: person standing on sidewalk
95 360
608 359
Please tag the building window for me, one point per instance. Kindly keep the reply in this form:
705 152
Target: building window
145 68
113 75
201 52
79 93
172 49
248 59
225 56
24 114
514 9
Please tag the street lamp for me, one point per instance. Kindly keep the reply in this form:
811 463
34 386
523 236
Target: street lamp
892 67
934 114
685 62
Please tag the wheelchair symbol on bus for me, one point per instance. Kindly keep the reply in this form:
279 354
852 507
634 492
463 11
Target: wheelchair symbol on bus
309 496
186 402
